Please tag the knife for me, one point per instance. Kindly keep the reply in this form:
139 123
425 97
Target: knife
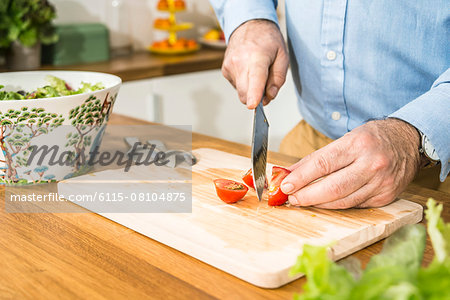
259 149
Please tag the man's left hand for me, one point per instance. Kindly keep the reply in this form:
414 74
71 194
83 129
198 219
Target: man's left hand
367 167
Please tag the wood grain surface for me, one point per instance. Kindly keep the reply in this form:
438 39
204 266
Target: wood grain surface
142 65
249 239
73 256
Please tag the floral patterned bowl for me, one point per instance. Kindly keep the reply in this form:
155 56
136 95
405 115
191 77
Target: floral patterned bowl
74 124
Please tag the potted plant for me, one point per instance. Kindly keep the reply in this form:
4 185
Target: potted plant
24 26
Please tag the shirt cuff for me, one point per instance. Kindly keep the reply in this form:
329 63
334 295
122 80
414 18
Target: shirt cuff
429 113
233 13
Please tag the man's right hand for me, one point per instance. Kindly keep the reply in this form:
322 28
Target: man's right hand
256 60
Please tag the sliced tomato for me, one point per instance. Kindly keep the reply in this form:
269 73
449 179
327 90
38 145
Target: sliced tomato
275 195
278 175
248 179
230 191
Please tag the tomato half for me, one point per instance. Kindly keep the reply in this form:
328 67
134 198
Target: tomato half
230 191
248 179
275 196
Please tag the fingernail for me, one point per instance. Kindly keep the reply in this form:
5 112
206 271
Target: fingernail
287 187
250 103
273 91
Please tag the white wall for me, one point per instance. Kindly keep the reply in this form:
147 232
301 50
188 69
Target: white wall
136 99
140 15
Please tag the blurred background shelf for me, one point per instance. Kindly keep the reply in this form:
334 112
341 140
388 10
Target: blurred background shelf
143 65
185 89
191 90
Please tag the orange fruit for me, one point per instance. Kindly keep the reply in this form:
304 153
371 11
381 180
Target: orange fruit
162 23
191 44
180 4
179 45
164 44
163 4
212 35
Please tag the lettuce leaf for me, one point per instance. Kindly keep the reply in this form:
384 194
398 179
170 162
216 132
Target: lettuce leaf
10 95
56 88
326 280
395 273
434 281
395 266
402 291
58 85
62 88
45 92
439 231
409 239
88 87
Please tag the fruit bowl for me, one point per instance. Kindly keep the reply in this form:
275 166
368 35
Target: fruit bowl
217 44
74 124
214 38
181 46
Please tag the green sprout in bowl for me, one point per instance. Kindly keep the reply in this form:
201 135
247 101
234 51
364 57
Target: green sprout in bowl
56 87
396 273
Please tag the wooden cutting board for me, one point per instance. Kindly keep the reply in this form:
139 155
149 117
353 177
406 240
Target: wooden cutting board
251 240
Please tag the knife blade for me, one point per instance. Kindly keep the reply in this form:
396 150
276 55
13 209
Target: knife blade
259 149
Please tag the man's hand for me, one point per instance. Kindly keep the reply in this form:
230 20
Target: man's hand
256 60
368 167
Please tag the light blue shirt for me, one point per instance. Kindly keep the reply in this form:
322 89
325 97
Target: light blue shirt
355 60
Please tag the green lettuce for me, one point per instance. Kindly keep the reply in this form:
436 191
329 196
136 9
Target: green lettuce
326 279
88 87
56 88
395 273
439 231
10 95
434 281
395 267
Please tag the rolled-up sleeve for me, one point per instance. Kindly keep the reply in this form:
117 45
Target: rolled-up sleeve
232 13
430 113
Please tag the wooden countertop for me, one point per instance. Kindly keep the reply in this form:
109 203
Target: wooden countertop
142 65
72 256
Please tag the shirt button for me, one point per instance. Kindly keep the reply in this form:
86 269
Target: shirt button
331 55
335 115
